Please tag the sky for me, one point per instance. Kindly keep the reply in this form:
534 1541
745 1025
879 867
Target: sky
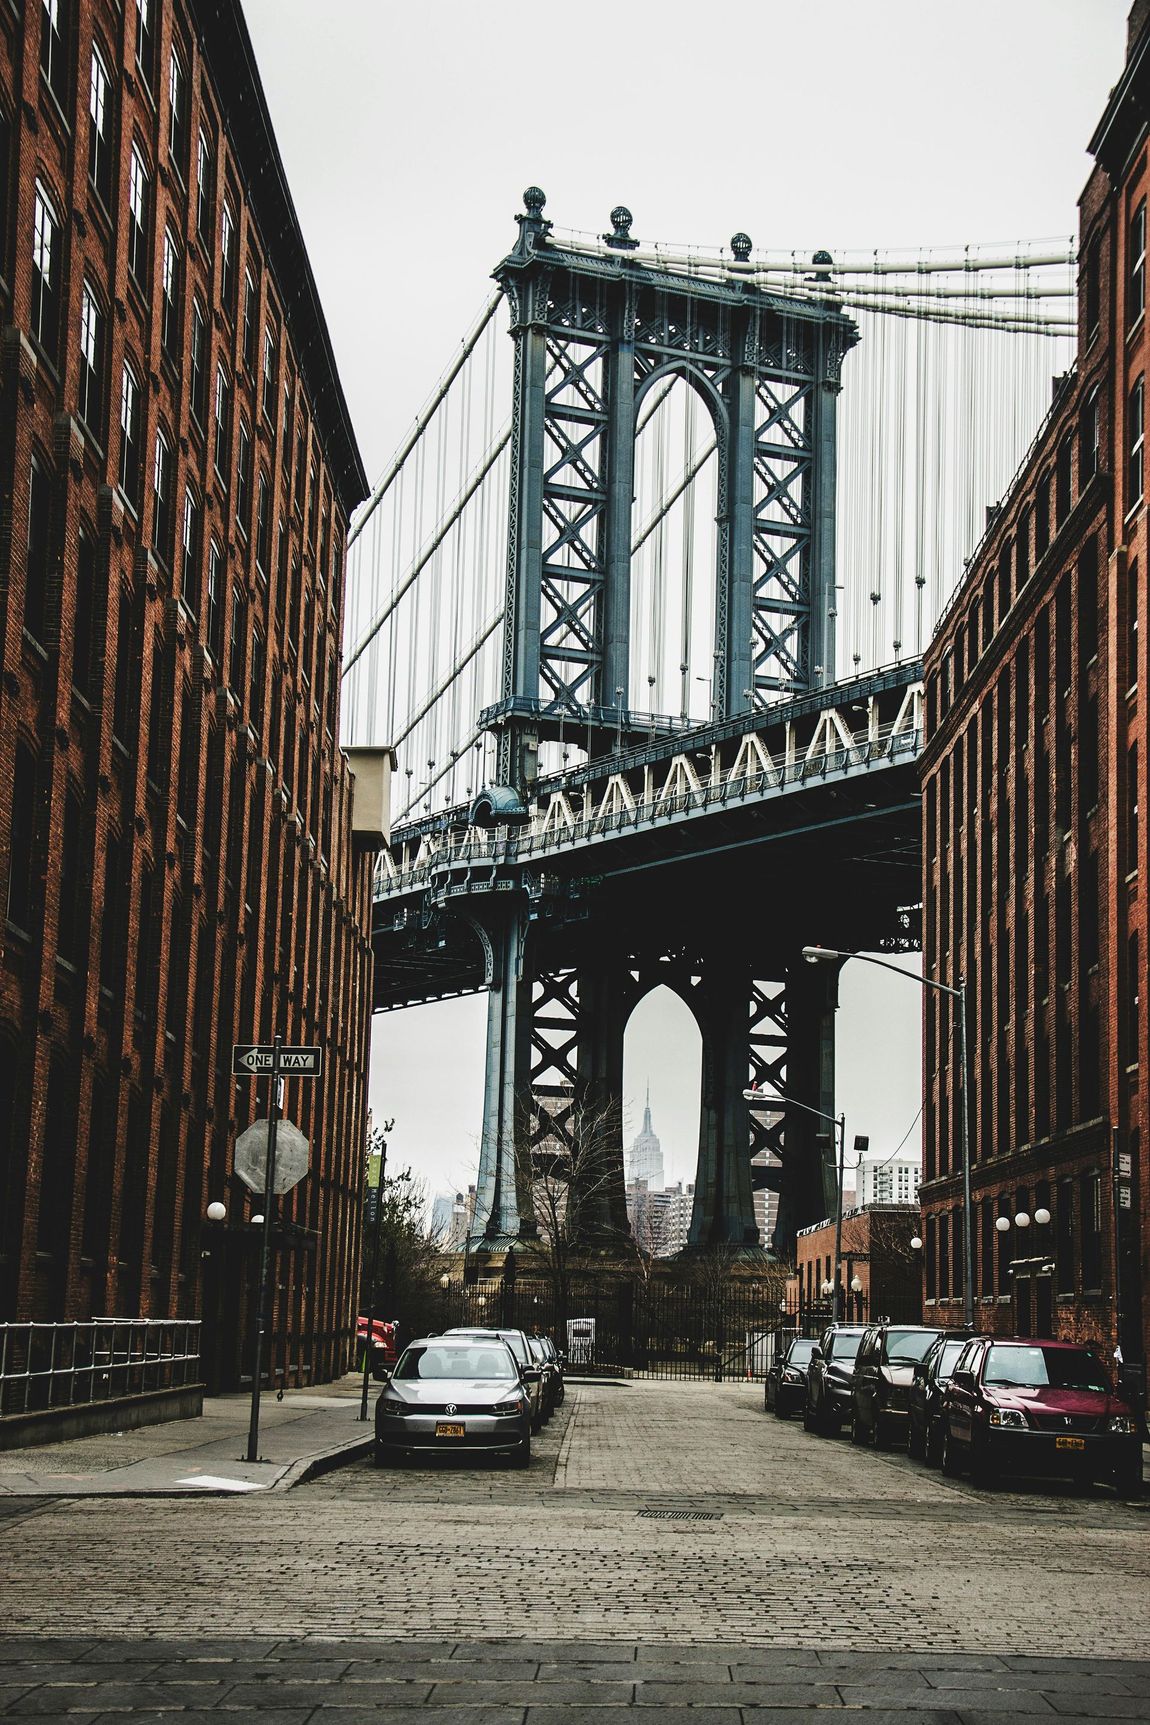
408 133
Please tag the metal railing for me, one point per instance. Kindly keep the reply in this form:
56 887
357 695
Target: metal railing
71 1365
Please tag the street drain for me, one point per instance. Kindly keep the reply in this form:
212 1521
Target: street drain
682 1514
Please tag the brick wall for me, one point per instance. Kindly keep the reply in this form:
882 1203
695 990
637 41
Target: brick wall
176 854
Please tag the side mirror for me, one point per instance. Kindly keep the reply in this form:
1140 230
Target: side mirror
530 1374
962 1380
816 1354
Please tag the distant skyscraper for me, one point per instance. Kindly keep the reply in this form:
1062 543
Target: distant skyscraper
646 1159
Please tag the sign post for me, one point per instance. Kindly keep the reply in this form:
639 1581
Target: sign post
263 1316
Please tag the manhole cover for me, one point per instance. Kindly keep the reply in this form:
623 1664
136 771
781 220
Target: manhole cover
682 1514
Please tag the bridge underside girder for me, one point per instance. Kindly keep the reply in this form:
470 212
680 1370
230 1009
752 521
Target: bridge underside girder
723 923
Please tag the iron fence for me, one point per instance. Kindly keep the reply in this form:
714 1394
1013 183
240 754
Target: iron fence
70 1365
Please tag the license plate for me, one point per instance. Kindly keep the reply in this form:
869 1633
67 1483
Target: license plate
444 1428
1070 1443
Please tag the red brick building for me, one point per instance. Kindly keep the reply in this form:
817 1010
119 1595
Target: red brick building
179 863
1035 845
876 1253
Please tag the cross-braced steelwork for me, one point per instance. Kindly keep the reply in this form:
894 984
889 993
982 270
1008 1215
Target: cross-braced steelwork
592 850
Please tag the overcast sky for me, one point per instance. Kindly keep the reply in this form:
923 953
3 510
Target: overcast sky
408 133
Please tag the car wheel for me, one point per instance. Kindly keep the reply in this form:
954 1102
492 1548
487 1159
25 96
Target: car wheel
931 1444
780 1412
915 1446
808 1418
767 1397
522 1456
880 1433
858 1431
383 1457
951 1465
981 1473
1128 1478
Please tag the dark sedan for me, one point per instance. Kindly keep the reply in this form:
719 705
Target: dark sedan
924 1410
1037 1407
785 1391
829 1375
450 1395
883 1374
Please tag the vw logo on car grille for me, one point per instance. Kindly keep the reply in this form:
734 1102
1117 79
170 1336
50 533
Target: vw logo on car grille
451 1407
1069 1419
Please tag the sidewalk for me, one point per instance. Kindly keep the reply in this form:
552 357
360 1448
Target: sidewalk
305 1433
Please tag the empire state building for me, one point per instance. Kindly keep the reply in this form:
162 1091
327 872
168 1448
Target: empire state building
645 1161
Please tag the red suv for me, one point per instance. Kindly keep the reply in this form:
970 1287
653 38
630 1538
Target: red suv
1037 1407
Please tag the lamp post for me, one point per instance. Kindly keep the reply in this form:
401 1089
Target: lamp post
821 954
839 1123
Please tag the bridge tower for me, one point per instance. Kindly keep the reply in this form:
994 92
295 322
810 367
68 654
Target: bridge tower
595 331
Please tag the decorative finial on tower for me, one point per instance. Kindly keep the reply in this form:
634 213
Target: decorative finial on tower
533 227
621 219
741 246
821 273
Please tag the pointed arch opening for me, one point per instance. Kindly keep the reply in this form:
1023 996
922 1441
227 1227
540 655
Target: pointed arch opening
662 1072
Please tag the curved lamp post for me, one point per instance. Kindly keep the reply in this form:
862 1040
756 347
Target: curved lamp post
839 1122
823 954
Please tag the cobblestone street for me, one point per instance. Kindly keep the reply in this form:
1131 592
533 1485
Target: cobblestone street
819 1551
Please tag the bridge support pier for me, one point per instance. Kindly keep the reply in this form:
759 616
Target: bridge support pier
724 1210
603 1011
506 1086
809 1183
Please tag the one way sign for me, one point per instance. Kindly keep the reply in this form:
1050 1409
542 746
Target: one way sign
296 1060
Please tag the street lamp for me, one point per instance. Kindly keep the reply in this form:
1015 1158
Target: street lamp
840 1125
819 955
217 1212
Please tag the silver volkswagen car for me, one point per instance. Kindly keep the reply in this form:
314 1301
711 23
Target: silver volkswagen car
449 1394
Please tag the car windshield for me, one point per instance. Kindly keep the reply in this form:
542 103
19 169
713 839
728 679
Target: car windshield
844 1345
907 1347
437 1360
799 1353
948 1356
510 1338
1060 1368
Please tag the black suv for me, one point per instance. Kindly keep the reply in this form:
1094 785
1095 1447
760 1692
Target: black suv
931 1376
884 1370
785 1389
829 1378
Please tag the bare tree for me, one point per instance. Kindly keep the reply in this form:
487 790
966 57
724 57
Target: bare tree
569 1172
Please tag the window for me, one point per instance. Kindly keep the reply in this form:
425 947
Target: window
1093 294
1042 515
244 481
257 672
178 112
198 392
1064 1226
1090 1202
130 436
190 553
170 308
39 533
92 336
986 1247
205 186
1136 278
100 128
189 759
269 379
251 320
1063 480
146 39
228 259
69 928
263 525
1088 440
54 48
215 616
162 474
6 159
1134 1000
223 422
138 189
236 644
83 621
47 264
122 692
22 894
1132 625
1135 441
1132 808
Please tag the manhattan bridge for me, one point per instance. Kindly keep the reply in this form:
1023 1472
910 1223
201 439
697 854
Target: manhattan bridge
640 604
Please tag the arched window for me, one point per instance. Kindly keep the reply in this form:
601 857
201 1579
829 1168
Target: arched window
1135 443
130 435
54 37
39 540
100 128
198 381
178 112
139 192
223 422
93 345
23 894
190 552
228 249
146 33
163 484
47 268
170 321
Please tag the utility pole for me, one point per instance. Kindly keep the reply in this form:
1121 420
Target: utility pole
377 1230
263 1318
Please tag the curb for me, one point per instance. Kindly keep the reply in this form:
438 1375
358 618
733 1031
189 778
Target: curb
312 1467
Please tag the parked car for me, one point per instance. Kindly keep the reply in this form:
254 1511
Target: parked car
785 1391
529 1370
924 1413
454 1393
559 1363
832 1362
880 1385
1028 1406
549 1375
384 1334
